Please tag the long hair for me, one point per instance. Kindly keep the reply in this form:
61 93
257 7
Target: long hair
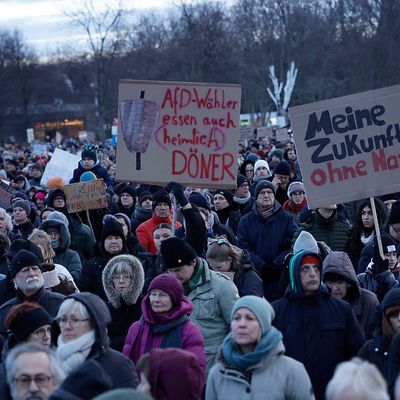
220 249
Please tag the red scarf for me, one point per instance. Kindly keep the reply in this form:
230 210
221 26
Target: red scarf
289 205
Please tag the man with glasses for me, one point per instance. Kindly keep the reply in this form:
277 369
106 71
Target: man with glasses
33 372
28 281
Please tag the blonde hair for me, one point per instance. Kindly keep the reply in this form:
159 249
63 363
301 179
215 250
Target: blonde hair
220 249
43 240
7 217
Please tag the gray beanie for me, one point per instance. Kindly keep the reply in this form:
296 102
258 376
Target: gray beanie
296 187
264 184
23 204
305 241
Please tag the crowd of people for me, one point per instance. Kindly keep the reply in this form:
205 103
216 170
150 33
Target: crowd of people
175 292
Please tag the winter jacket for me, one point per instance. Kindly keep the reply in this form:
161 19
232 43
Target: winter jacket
118 367
319 331
117 207
64 255
276 377
247 279
50 301
213 298
124 308
173 330
334 231
139 215
144 231
24 229
363 302
268 242
230 216
99 171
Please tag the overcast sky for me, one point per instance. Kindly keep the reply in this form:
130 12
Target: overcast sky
43 24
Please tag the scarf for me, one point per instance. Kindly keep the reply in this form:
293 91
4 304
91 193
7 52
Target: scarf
75 352
236 359
242 200
189 286
265 213
366 239
289 205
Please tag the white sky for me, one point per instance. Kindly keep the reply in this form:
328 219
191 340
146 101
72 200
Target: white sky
43 24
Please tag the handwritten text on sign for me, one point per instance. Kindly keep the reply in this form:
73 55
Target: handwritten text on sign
349 147
195 141
85 196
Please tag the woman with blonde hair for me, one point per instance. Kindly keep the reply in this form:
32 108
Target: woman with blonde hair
6 225
222 256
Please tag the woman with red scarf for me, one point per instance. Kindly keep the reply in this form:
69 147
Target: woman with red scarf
297 199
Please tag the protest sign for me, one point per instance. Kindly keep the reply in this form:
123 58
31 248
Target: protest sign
348 147
174 131
282 134
61 164
88 195
39 149
5 195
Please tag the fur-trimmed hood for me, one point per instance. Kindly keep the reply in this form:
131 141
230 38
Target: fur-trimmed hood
131 294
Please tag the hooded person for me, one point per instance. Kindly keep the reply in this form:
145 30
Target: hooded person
339 277
56 226
165 322
123 280
254 349
318 330
171 374
111 244
162 214
376 350
83 319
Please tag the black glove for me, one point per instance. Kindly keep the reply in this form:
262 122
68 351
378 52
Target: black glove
379 265
177 190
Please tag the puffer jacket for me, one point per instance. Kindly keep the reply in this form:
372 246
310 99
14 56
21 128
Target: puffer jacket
213 298
118 367
175 331
124 307
276 377
363 302
64 255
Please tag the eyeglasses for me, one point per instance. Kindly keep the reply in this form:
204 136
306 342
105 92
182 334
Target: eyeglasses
24 381
42 332
75 322
117 278
394 314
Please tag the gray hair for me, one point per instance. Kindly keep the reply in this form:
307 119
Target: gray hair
55 363
69 304
7 217
357 380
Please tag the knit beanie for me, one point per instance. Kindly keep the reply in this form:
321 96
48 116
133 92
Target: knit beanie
24 204
22 259
175 252
170 284
111 226
27 322
144 196
391 299
199 200
90 151
282 168
226 194
260 307
305 241
130 189
24 244
277 153
388 243
394 215
296 187
264 184
19 194
240 179
252 157
261 163
161 197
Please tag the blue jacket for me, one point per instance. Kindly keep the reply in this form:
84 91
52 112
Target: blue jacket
99 171
268 242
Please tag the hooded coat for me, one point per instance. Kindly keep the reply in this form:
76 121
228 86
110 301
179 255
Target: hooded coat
119 368
318 330
175 331
363 302
64 255
124 308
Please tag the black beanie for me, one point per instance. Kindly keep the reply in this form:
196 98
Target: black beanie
130 189
144 195
388 243
391 299
24 244
226 193
22 259
175 252
27 322
90 151
199 200
161 197
111 226
24 204
264 184
282 168
394 215
241 179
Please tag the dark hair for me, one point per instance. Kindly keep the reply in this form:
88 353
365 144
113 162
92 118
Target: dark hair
163 226
381 211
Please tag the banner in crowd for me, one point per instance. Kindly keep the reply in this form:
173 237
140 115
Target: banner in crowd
5 195
62 164
349 147
88 195
175 131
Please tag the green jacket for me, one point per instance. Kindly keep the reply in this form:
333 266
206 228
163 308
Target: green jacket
213 298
